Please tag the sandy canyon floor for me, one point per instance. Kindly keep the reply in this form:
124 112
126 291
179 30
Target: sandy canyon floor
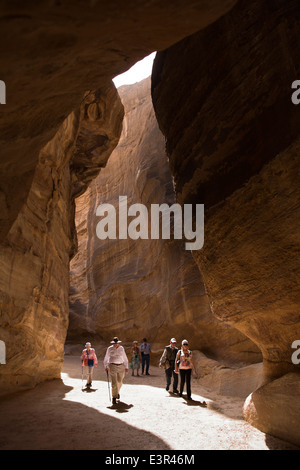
61 415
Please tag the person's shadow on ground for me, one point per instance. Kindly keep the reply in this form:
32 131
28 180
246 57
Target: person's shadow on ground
89 389
191 402
120 407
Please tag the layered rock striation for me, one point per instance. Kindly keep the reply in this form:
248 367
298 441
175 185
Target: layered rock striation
34 261
222 98
223 101
145 287
51 53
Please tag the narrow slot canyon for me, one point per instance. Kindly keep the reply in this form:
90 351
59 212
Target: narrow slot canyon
214 124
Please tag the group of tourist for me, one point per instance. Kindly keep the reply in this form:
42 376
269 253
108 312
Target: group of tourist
175 361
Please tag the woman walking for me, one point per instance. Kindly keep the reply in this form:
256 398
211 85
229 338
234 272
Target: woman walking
184 360
89 360
135 362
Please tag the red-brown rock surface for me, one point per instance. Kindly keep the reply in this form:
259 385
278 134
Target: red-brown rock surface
34 261
223 101
275 409
222 97
136 288
52 53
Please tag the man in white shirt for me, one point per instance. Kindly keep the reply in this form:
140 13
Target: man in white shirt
116 363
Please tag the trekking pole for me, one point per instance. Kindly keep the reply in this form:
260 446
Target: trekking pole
108 385
81 377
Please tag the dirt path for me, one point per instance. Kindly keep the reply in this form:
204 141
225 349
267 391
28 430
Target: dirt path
59 415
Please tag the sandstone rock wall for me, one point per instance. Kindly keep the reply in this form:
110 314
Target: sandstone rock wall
136 288
274 408
34 261
52 51
223 100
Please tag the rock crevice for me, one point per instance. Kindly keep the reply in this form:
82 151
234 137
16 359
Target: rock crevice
34 261
136 288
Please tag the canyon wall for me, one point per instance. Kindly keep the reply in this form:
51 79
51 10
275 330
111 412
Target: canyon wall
34 261
136 288
51 53
223 100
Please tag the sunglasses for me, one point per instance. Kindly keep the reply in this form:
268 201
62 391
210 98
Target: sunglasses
185 344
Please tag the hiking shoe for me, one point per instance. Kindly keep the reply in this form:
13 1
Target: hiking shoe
114 400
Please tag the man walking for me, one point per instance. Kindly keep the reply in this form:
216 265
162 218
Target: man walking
116 363
167 361
145 353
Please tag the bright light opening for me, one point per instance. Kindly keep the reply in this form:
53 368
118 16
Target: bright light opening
138 72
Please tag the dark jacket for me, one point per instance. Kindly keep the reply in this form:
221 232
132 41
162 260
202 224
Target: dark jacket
169 354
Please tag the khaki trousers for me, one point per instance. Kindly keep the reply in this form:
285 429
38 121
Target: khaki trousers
89 374
117 373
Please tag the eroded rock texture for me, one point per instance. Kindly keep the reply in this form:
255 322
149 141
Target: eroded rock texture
274 408
34 261
51 53
223 100
136 288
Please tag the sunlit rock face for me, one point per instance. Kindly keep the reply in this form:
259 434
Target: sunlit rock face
274 408
52 51
34 261
136 288
222 98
